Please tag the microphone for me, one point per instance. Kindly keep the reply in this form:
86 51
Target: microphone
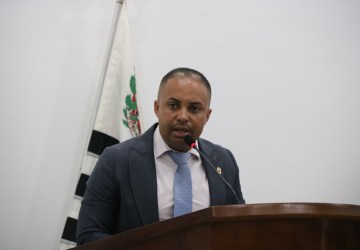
192 144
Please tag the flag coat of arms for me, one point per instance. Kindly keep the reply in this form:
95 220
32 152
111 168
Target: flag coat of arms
117 115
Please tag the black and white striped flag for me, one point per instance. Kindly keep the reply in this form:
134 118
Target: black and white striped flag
117 116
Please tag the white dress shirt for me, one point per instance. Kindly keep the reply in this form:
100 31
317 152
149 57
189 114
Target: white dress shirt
165 172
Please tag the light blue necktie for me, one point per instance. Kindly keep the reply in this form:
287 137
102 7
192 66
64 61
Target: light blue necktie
182 184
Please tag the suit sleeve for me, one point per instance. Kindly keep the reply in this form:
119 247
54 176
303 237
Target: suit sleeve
99 208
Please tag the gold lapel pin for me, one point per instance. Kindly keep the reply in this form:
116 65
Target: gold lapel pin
218 169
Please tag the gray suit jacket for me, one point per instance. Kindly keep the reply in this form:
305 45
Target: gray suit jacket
121 192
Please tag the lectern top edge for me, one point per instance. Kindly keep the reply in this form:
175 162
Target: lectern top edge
287 209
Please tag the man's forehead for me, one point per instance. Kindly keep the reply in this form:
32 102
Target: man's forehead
191 102
177 80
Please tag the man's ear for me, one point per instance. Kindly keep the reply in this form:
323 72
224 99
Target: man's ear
156 107
208 115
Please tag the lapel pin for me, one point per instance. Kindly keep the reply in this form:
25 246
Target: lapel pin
218 169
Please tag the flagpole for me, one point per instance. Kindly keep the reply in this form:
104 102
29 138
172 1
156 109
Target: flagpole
106 64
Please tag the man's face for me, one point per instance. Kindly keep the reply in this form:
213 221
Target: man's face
182 109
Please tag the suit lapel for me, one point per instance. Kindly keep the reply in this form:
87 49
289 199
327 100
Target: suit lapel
142 175
216 186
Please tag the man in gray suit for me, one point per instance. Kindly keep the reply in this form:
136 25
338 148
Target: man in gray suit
133 182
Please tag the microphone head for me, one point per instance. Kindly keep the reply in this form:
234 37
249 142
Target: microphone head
190 141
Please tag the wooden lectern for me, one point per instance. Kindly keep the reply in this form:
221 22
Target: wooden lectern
290 226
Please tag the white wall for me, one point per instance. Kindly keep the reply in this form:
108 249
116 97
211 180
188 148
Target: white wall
52 54
286 96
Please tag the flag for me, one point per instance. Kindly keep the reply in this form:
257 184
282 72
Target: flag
117 116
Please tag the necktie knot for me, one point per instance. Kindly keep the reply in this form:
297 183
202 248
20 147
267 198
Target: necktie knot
180 158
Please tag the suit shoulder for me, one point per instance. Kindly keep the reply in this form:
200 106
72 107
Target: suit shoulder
208 145
141 143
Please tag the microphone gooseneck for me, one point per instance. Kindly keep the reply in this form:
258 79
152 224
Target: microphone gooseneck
192 144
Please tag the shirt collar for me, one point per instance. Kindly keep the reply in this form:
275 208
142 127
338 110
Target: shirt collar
160 146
